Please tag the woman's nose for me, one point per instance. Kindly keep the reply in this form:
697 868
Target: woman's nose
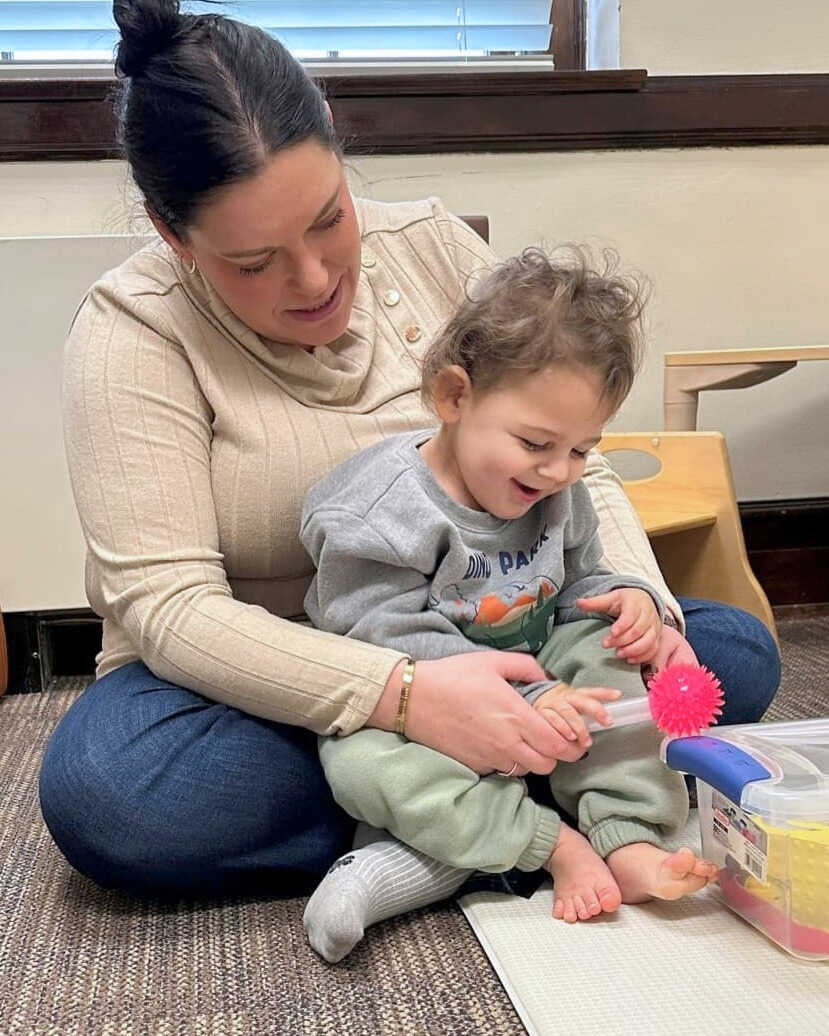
309 275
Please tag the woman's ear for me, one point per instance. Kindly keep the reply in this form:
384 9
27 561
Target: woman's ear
172 239
451 392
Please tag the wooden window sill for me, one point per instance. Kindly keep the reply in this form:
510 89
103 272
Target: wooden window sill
64 119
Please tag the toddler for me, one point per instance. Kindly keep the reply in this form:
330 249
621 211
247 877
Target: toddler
480 534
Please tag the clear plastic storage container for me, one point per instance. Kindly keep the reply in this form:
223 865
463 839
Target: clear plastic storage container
763 794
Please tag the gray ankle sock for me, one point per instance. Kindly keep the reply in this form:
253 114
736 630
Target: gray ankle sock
369 885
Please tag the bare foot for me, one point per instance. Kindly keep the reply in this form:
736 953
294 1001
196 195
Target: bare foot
645 871
582 883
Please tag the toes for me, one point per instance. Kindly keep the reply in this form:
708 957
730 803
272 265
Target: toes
588 903
680 863
685 864
570 915
581 908
610 898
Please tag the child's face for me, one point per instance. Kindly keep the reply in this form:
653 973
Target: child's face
515 445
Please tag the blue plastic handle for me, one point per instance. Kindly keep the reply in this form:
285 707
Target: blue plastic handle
719 763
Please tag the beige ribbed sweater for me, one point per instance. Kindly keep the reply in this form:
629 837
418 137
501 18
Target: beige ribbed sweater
191 442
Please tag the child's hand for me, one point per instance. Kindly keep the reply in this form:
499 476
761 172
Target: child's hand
673 647
564 706
635 633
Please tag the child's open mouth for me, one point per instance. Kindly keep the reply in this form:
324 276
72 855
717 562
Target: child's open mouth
526 492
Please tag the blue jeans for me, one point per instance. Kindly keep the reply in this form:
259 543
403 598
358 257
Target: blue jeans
152 788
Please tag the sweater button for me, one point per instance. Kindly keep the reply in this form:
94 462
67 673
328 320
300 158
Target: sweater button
368 260
391 298
413 333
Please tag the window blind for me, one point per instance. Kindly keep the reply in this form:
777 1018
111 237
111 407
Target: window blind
330 30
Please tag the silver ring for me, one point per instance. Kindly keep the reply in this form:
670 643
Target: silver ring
510 774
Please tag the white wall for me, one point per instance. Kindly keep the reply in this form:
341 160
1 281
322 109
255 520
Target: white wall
734 244
733 241
726 37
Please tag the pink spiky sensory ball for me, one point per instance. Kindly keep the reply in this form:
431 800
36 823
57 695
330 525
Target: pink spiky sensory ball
684 699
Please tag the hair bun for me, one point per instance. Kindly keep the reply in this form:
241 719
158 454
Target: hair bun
148 27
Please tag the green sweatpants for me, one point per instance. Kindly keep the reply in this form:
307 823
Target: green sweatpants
620 793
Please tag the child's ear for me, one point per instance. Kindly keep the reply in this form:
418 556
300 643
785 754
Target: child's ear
452 390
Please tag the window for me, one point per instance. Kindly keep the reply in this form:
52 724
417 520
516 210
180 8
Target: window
329 31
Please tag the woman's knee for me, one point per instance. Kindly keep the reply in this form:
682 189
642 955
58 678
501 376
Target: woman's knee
152 787
739 648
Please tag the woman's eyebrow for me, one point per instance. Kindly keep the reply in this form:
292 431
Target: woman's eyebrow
248 252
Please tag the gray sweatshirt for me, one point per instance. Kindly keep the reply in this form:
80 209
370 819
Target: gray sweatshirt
403 565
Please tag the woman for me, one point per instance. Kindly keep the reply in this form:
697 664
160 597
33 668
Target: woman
274 329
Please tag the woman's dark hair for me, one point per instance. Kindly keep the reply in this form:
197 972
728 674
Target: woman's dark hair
535 310
205 102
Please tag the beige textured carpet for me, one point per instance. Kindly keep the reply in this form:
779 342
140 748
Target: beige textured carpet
79 961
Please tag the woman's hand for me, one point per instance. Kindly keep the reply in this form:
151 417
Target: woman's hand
464 707
635 633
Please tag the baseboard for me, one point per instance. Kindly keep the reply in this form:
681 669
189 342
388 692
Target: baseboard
788 548
42 645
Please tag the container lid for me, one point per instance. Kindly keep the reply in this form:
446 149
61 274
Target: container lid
796 754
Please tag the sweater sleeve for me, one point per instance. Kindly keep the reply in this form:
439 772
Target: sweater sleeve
585 575
364 589
138 437
625 544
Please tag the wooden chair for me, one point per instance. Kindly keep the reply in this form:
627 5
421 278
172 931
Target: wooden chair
689 511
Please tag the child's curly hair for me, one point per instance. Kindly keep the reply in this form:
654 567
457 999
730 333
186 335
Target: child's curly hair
534 310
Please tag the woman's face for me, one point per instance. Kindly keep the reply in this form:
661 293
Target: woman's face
282 249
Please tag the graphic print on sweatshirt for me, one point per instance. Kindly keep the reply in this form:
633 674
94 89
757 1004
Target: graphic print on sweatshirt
514 616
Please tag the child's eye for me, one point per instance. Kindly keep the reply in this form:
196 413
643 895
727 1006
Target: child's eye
251 271
579 454
533 447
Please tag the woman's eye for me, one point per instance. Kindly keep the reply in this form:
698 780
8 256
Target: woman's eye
338 217
251 271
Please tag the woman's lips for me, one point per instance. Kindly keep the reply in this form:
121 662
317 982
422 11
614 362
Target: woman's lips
321 312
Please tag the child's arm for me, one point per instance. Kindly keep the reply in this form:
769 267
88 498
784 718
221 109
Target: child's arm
364 589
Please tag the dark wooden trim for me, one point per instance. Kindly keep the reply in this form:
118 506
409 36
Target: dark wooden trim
569 47
46 644
4 658
473 112
788 548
